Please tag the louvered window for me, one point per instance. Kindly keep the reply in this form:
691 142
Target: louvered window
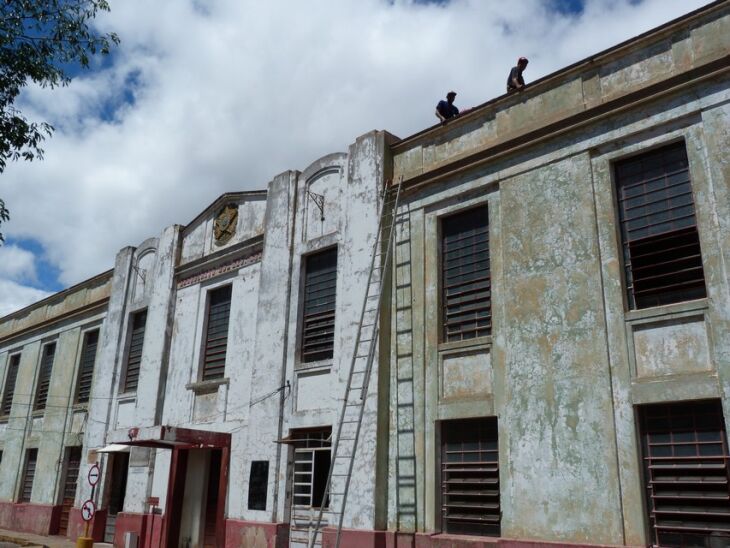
318 330
216 336
10 378
44 376
86 367
466 280
685 454
26 486
661 244
470 477
134 354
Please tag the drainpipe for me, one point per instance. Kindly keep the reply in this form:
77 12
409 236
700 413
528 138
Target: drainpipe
282 380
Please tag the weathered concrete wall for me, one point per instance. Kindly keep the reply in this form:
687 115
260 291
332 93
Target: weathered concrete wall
62 320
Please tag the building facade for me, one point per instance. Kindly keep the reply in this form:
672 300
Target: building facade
553 361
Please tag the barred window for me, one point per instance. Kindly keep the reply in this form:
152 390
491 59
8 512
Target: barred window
26 485
10 378
134 351
659 237
86 367
318 330
44 376
216 336
466 279
470 477
686 473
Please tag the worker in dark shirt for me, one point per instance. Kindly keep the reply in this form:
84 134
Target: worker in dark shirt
515 82
446 110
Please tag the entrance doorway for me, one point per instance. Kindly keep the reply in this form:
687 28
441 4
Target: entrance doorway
119 467
197 509
309 468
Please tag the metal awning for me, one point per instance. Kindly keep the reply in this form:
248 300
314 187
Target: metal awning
168 437
114 448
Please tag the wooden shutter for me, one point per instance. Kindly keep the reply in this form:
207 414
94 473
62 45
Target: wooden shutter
134 354
10 378
470 477
216 336
44 376
320 285
685 454
466 278
26 486
86 367
660 241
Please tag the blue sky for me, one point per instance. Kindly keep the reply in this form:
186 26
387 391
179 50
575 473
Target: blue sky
209 96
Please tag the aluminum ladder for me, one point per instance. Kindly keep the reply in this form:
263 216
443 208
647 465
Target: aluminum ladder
363 356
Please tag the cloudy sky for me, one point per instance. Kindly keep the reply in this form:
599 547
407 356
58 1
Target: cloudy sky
210 96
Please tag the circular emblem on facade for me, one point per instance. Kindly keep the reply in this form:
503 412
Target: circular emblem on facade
224 225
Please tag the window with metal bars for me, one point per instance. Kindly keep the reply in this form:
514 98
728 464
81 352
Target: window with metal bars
26 485
470 477
216 334
10 379
134 351
686 472
44 376
465 276
86 366
318 328
659 237
312 460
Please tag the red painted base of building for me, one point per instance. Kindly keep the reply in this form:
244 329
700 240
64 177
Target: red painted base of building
39 519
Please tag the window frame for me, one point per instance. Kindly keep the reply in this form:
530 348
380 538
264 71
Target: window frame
79 373
441 300
204 332
301 324
123 390
37 406
489 423
4 397
628 296
24 476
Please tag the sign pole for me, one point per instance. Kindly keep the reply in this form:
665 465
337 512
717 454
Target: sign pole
88 509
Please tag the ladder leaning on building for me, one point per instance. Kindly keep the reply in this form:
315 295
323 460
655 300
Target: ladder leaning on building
363 356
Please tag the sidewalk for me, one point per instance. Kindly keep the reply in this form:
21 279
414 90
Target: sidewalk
28 539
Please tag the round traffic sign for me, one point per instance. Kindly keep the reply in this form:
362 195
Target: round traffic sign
88 509
93 475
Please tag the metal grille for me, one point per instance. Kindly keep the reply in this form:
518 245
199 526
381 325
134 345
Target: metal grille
44 376
134 354
216 340
86 368
318 330
685 455
11 377
26 486
312 459
661 246
467 291
470 477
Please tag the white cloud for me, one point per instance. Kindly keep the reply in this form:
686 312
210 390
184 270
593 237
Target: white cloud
230 92
17 263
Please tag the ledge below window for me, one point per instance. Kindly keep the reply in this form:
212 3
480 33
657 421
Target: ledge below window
205 387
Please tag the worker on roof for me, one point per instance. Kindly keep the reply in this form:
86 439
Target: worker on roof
446 110
515 82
